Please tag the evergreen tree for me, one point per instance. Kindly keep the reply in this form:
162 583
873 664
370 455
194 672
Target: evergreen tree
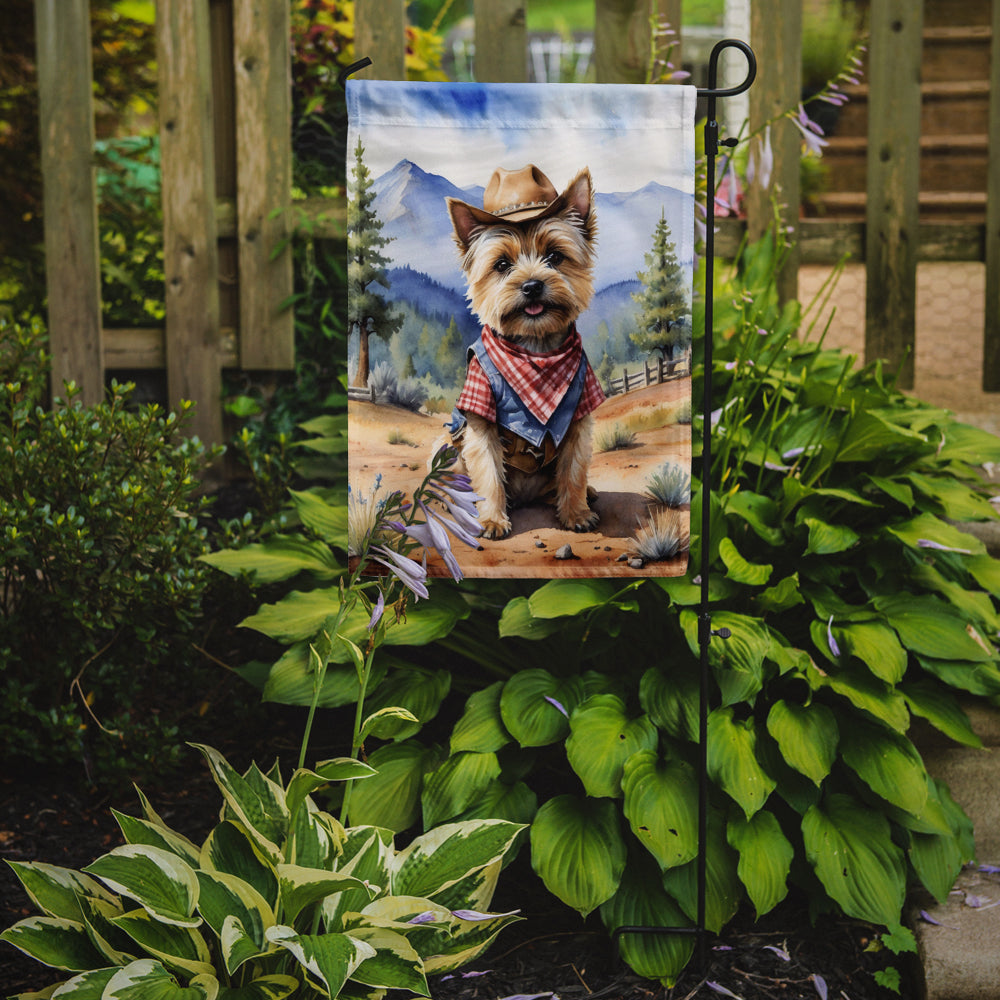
368 310
662 301
449 359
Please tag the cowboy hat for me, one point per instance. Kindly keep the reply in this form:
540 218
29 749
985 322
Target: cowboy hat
517 196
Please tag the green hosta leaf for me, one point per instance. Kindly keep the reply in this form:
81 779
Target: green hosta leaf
418 691
671 700
516 803
928 528
481 728
957 501
738 661
641 901
850 848
893 488
304 782
559 598
517 620
975 605
941 709
723 889
869 436
765 858
291 680
602 738
876 646
327 520
866 692
965 443
456 784
297 616
785 594
279 558
976 678
147 979
807 736
985 570
578 851
661 799
159 881
56 891
180 948
386 723
330 959
391 798
931 628
226 898
441 857
395 964
888 763
141 831
738 569
301 887
937 858
828 539
528 710
732 760
54 941
275 987
758 511
231 850
425 622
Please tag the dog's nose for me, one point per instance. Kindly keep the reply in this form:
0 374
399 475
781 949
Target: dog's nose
533 288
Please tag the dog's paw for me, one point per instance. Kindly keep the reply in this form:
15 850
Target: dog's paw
581 520
495 529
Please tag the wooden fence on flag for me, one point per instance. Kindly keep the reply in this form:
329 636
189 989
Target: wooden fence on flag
225 110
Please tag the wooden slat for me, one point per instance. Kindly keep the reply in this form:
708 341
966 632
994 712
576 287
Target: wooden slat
144 348
991 332
501 41
72 257
621 40
262 62
380 34
776 36
893 184
190 254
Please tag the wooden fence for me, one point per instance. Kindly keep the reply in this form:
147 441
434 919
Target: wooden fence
653 372
226 161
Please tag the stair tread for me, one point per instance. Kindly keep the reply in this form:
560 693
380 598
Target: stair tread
929 198
935 88
846 145
958 33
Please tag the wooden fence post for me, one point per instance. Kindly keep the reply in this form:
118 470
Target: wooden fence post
621 40
190 251
991 331
262 61
776 35
380 34
72 255
501 41
892 214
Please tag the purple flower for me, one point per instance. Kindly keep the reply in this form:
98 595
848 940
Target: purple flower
427 917
475 915
377 612
761 163
433 537
927 543
410 573
811 132
558 705
820 983
719 988
834 648
780 952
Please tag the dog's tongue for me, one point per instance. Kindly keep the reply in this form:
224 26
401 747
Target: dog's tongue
535 309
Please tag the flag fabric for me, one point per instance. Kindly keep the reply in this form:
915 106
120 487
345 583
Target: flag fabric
520 262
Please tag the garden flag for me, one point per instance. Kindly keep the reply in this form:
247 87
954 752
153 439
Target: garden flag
520 289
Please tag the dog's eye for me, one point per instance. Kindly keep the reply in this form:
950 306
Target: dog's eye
554 258
502 265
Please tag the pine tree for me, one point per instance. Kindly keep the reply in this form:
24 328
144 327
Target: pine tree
449 359
368 310
662 301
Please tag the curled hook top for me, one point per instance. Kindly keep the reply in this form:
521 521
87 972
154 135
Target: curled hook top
713 69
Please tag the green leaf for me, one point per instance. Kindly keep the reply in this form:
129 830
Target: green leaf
741 571
391 798
225 897
275 987
395 964
941 709
147 979
976 678
738 662
866 692
785 594
876 646
986 571
417 690
560 598
661 798
292 680
54 941
888 763
828 539
732 760
481 727
517 620
578 851
528 714
765 858
56 891
927 527
304 782
957 501
331 959
177 947
869 436
807 736
86 986
301 887
163 884
671 700
937 859
230 849
931 628
456 784
760 512
297 616
386 722
279 558
850 848
325 519
516 803
141 831
602 738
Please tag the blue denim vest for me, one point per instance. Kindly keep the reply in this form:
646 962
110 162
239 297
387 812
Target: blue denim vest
511 411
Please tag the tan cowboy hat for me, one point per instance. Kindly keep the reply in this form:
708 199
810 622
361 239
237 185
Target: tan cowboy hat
517 196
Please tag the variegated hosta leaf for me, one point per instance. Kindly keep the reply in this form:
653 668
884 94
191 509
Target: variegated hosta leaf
467 940
481 727
765 858
888 763
441 857
395 964
300 887
56 891
315 838
661 805
158 880
230 849
225 897
275 987
141 831
87 986
116 947
256 801
149 980
476 890
642 902
328 959
535 706
54 941
456 784
578 851
602 737
732 760
367 853
807 736
304 782
177 947
850 847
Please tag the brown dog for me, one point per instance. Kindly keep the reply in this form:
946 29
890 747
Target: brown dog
523 422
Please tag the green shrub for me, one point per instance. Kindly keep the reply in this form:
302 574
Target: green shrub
101 584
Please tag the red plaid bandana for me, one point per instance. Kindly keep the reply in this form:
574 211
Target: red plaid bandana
540 380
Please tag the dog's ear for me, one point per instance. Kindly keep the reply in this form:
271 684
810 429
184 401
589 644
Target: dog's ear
580 194
463 221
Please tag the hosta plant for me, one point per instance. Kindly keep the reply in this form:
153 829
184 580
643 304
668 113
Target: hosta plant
279 900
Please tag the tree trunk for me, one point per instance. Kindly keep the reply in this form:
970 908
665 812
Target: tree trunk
361 377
